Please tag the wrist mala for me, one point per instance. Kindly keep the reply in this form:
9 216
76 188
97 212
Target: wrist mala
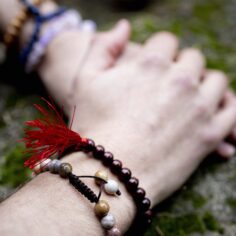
15 27
49 136
101 207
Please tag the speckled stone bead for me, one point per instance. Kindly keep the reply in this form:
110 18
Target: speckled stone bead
54 166
65 170
111 187
102 175
114 232
107 158
108 221
116 166
101 208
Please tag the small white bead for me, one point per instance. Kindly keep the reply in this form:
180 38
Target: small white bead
37 169
111 187
108 221
45 165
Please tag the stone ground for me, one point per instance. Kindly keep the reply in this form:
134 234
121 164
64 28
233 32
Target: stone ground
206 205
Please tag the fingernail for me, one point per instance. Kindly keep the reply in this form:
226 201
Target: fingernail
226 150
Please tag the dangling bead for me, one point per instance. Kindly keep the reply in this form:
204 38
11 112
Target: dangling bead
65 170
111 187
102 175
108 221
101 208
114 232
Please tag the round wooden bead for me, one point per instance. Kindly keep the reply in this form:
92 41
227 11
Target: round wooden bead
125 174
65 170
102 175
114 232
132 184
90 147
111 187
108 221
101 208
107 158
98 152
140 194
145 204
116 166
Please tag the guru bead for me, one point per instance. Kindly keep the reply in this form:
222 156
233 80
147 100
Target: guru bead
101 208
108 221
102 175
111 187
65 170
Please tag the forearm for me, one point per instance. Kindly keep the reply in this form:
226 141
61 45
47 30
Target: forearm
49 205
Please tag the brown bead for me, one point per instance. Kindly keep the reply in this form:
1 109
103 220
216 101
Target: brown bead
125 174
140 194
102 175
116 166
65 169
132 184
101 208
107 158
145 204
98 152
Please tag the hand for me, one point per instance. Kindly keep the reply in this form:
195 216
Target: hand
157 115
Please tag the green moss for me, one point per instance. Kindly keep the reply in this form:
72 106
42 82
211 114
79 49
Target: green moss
211 223
231 202
180 225
196 198
12 170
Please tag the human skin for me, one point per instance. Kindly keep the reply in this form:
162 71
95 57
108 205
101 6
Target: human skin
162 139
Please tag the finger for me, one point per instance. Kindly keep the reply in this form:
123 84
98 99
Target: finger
107 47
193 61
226 150
132 50
225 118
158 52
214 87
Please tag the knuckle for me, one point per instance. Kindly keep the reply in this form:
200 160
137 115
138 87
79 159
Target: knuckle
185 80
154 60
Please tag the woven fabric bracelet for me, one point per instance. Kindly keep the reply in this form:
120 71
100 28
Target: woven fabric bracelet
101 207
70 20
39 21
14 29
49 136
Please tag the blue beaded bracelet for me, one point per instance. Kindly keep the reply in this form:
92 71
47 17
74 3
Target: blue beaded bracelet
39 21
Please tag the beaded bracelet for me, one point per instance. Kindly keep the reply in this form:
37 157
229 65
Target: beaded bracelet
68 21
49 136
101 207
14 29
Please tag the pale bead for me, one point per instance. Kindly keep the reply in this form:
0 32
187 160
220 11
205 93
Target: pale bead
114 232
37 168
54 166
102 175
45 165
111 187
108 221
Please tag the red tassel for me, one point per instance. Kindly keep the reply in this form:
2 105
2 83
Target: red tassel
48 135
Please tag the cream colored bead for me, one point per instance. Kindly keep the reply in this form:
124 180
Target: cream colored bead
101 174
111 187
45 164
108 221
101 208
37 168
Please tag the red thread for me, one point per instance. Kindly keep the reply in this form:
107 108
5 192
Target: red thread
48 135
